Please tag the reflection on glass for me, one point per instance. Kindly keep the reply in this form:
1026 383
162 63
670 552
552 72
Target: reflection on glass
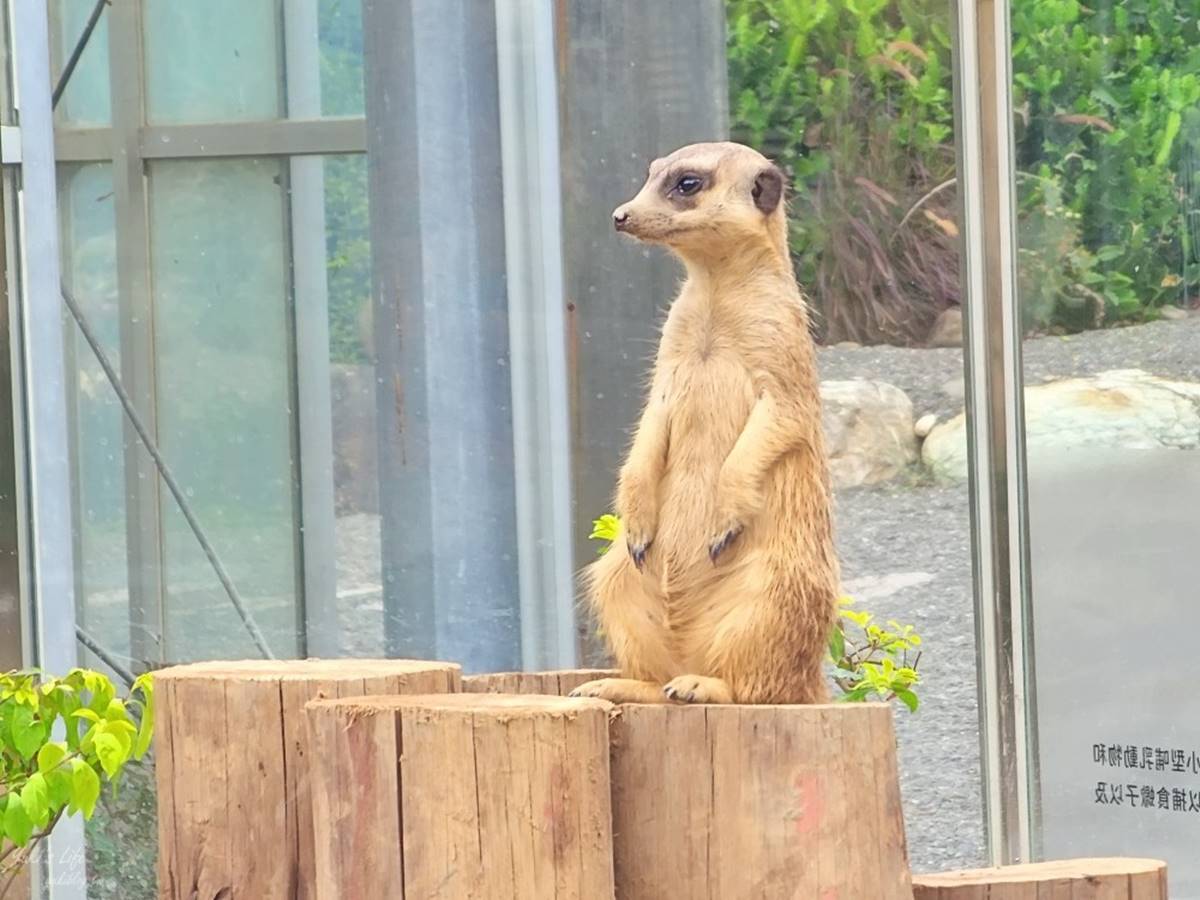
352 396
86 101
90 272
341 53
1107 102
212 62
855 99
225 412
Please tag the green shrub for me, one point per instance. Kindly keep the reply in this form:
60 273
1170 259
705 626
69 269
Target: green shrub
854 98
59 739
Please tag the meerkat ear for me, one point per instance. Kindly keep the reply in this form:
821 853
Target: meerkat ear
768 189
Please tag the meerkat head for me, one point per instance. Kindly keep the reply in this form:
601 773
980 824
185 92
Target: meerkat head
705 200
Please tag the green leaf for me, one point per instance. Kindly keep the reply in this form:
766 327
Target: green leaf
35 797
837 644
58 785
110 753
908 698
18 827
85 788
85 713
1167 141
51 756
28 734
145 728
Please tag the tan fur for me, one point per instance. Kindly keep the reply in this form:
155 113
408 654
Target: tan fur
725 489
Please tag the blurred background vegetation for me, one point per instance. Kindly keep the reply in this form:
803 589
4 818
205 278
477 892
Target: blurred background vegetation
854 97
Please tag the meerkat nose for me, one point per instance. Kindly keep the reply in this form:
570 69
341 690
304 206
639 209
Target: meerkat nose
620 218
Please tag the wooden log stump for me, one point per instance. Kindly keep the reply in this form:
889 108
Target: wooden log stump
232 761
553 684
467 797
1072 879
736 802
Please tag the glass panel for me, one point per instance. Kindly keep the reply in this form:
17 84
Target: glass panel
87 100
1107 98
856 103
121 837
418 361
352 391
224 400
215 61
90 272
341 43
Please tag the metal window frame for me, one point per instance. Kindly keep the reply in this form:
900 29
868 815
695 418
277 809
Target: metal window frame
996 437
61 874
531 172
128 144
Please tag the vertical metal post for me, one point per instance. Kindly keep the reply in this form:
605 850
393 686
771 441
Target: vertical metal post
311 306
143 489
15 632
50 547
443 390
537 331
995 416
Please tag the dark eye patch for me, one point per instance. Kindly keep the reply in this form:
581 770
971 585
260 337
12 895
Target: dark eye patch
682 185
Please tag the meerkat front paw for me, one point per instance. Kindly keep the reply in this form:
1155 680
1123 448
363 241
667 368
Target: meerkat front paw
620 690
698 689
637 505
738 501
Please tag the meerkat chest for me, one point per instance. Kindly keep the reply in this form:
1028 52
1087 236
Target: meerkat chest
708 385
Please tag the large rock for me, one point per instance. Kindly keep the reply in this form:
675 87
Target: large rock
868 431
1125 409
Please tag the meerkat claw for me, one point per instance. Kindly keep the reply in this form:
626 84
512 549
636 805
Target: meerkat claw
725 541
637 552
674 693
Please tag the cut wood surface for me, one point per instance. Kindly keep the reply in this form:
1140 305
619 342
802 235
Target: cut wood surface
733 802
232 763
556 684
462 797
1072 879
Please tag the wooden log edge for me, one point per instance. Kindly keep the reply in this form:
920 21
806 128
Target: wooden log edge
1133 878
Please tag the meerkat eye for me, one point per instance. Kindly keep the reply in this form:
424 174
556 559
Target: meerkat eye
689 184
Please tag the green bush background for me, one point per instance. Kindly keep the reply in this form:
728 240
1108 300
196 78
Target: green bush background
854 97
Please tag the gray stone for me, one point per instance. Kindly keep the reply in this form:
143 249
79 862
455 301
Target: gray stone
947 330
955 389
1125 409
868 431
1173 313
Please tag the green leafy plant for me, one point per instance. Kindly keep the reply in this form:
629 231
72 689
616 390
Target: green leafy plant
853 98
606 528
871 662
60 738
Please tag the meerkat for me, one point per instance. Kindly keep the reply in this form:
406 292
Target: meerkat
722 587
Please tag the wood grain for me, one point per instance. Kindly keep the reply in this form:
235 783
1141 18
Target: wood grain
233 768
462 797
737 802
1071 879
555 684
